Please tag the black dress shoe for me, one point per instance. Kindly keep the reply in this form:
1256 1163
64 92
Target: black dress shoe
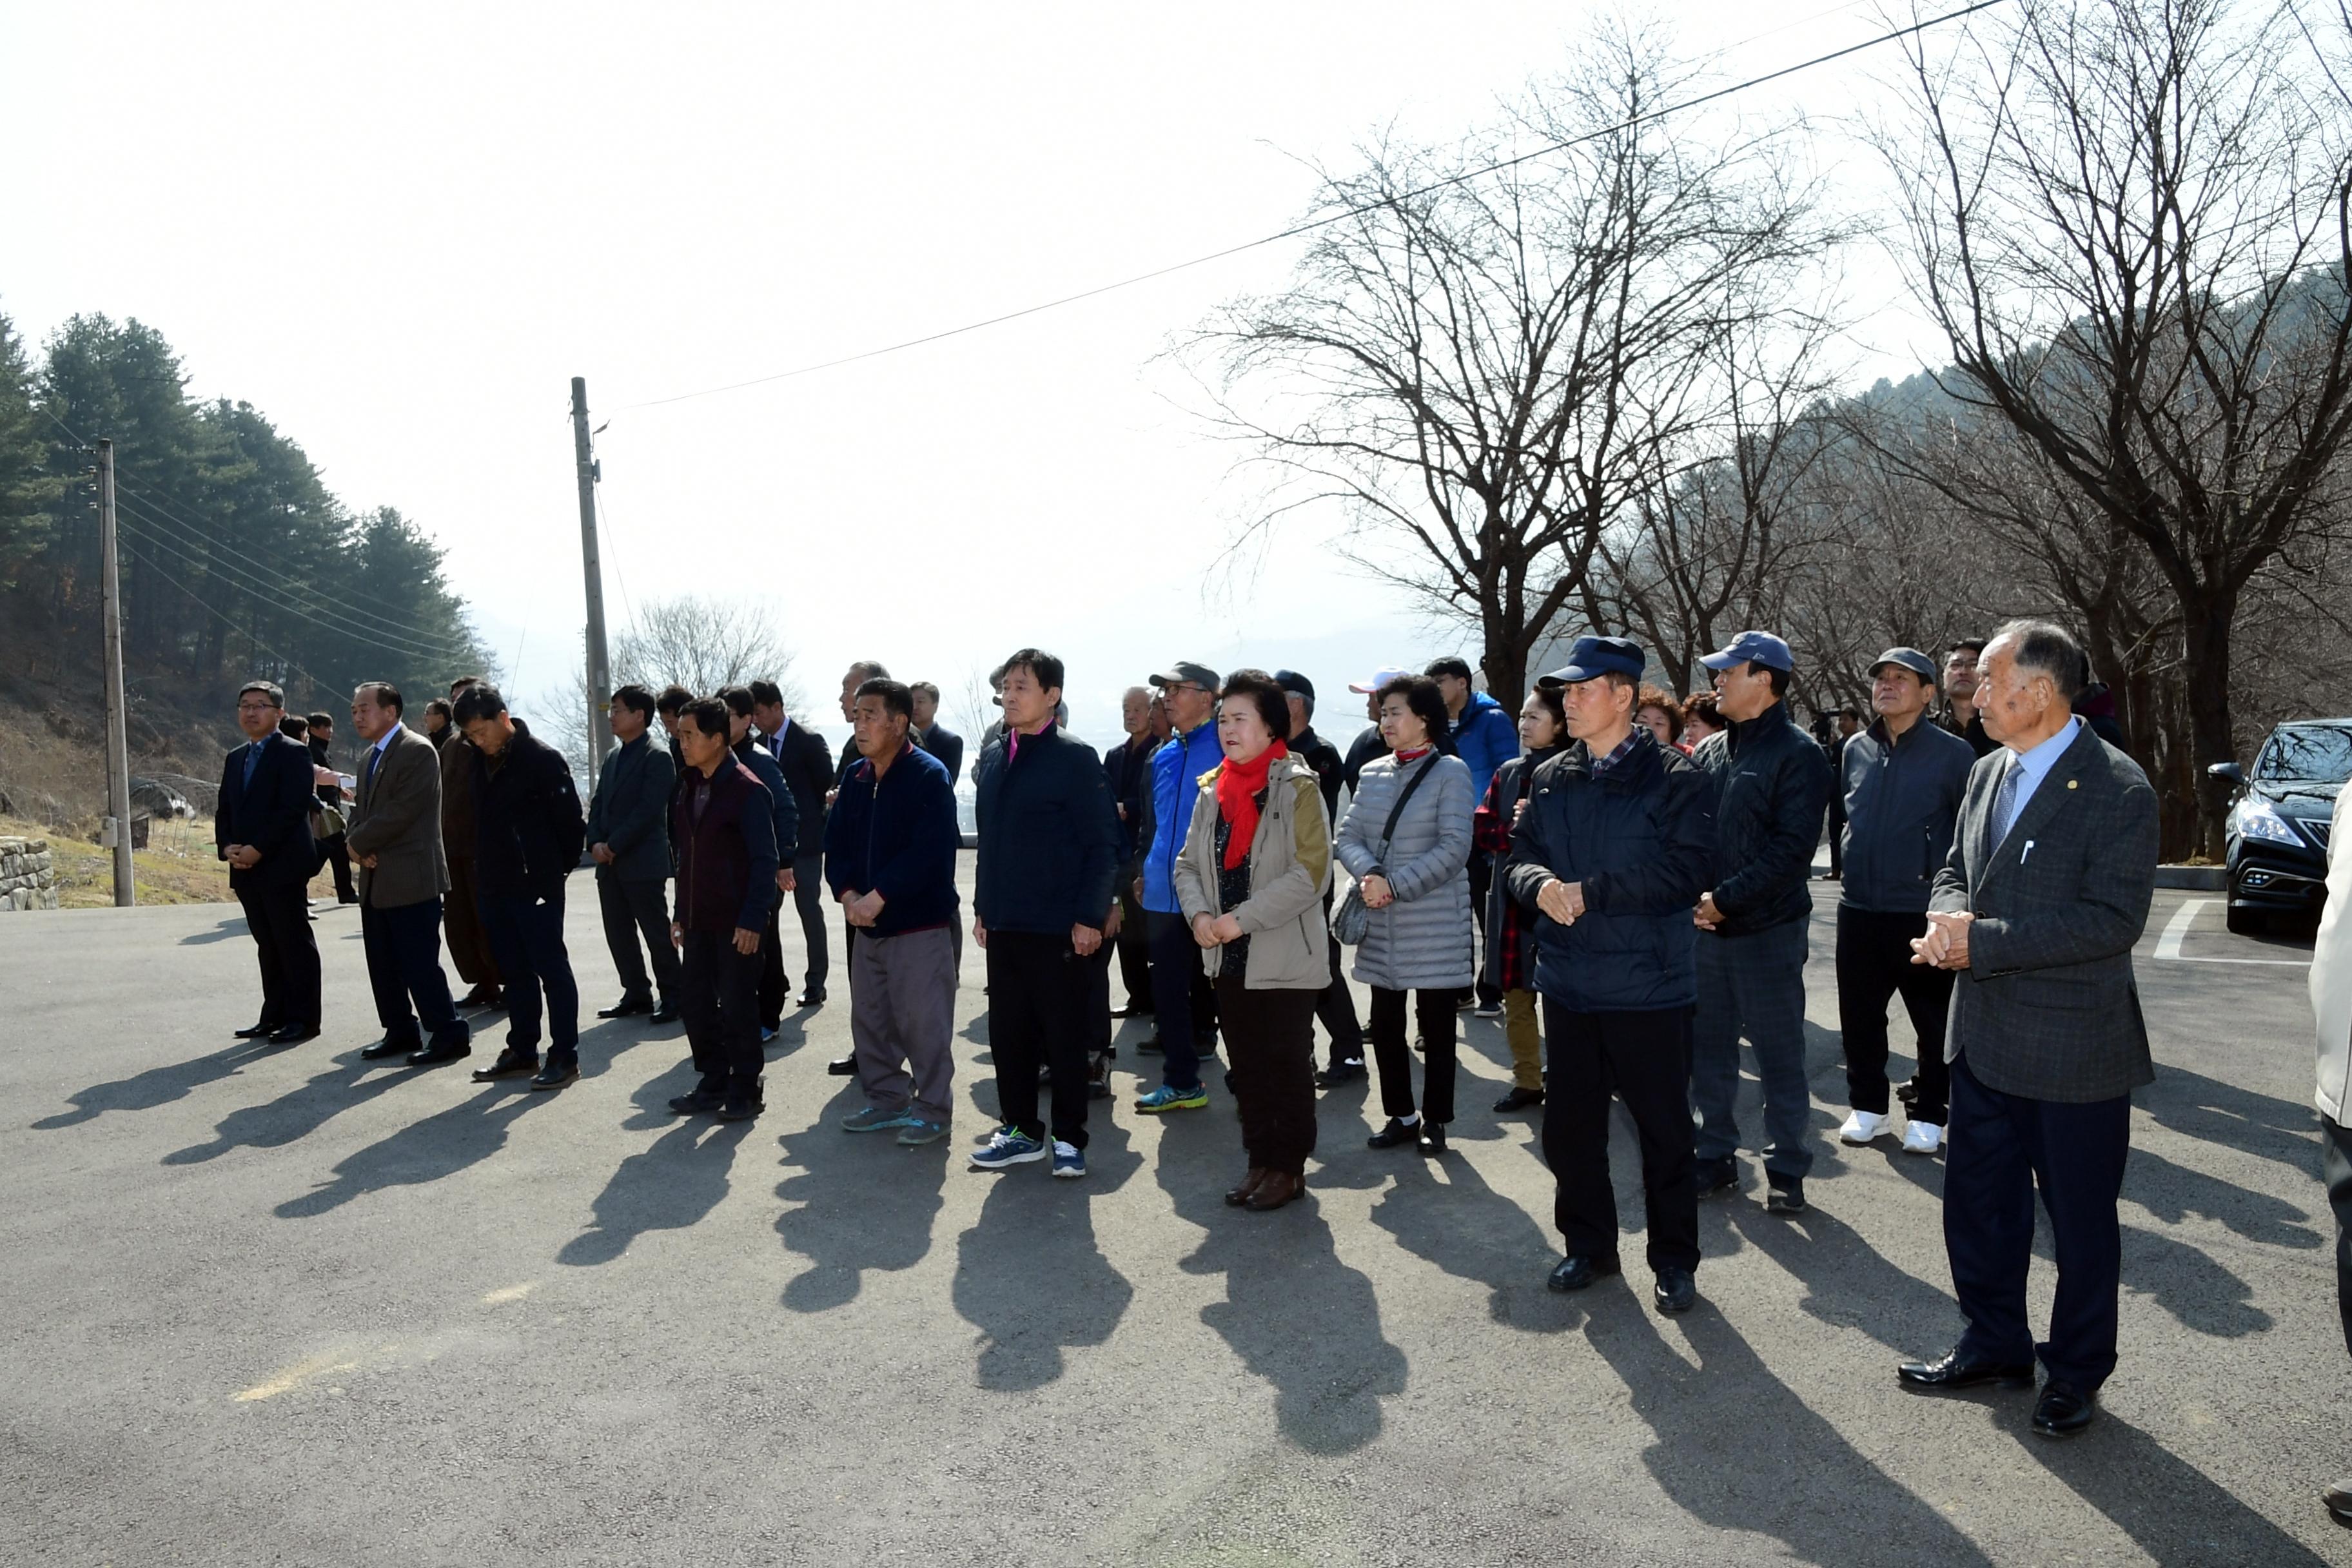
739 1106
1394 1134
1787 1196
2063 1410
1132 1010
512 1062
1433 1138
1519 1099
627 1007
843 1067
1578 1269
810 998
434 1056
383 1048
257 1031
1716 1175
1151 1048
1338 1073
294 1034
561 1067
1955 1369
1676 1291
696 1101
664 1013
2337 1496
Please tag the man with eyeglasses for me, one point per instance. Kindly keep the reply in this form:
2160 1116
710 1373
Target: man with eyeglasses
262 828
1179 993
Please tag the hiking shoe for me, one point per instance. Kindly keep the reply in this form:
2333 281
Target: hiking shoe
917 1133
1069 1162
1007 1146
873 1119
1168 1097
1488 1010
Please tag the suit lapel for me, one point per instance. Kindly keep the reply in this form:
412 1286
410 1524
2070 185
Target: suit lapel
2049 798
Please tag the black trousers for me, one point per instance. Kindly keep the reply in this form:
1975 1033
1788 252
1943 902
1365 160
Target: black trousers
1874 965
403 960
775 986
334 856
2336 1165
631 911
1434 1011
1270 1040
1134 955
1037 995
1335 1005
1175 973
279 920
1482 882
1643 1059
719 1000
808 898
526 938
2003 1147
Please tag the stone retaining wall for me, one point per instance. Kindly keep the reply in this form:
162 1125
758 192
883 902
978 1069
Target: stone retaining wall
29 875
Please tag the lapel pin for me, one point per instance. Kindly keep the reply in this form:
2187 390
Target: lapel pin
2073 783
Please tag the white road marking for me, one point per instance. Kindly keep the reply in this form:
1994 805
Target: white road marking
2176 930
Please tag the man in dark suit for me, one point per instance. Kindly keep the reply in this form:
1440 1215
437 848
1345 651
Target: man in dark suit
933 736
262 828
2047 888
395 838
320 734
774 989
802 756
629 837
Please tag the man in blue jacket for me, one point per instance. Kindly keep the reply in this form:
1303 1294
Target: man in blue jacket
1903 781
262 828
1179 983
1772 789
1041 902
1485 737
1614 849
629 837
891 844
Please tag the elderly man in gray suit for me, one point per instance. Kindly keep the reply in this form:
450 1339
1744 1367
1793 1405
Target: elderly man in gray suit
395 838
2051 870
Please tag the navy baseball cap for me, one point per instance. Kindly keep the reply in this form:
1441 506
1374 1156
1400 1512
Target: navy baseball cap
1753 647
1592 657
1909 658
1290 681
1184 672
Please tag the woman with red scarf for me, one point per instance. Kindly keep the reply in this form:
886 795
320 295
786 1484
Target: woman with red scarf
1250 880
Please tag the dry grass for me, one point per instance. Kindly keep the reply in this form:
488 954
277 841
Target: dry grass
177 867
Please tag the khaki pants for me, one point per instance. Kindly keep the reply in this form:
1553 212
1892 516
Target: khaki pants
1527 1043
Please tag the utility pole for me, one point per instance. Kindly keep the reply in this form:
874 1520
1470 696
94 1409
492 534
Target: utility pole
600 669
118 741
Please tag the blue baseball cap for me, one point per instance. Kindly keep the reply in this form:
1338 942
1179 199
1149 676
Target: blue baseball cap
1592 657
1753 647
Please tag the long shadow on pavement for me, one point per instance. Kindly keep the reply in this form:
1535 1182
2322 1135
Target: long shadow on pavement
1848 1282
858 1202
1736 1449
2173 1192
1030 1275
233 926
2174 1512
299 1112
2187 1283
1465 1228
440 1145
668 1185
158 1086
2212 1112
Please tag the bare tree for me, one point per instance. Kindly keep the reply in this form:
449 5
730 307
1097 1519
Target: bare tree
2131 219
1488 352
704 645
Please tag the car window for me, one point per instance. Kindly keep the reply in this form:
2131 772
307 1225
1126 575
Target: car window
2318 751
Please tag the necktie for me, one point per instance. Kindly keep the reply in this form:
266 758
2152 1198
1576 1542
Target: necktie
2004 799
375 755
252 761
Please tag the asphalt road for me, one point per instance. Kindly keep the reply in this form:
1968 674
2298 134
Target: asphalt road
281 1306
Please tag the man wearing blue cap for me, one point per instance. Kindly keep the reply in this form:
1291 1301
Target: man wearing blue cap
1772 789
1612 849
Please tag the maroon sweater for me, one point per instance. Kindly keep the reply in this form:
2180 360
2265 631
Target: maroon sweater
726 853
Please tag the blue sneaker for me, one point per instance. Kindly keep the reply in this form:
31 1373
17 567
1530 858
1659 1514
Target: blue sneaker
1167 1097
873 1119
1010 1146
1069 1163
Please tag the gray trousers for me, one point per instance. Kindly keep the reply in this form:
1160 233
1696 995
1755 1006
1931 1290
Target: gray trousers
1753 985
902 1020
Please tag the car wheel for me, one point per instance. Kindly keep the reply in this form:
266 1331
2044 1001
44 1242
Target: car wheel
2243 921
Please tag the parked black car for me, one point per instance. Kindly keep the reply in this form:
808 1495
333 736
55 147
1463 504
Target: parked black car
2278 822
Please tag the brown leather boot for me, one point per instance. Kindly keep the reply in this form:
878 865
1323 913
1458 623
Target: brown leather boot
1250 1184
1278 1188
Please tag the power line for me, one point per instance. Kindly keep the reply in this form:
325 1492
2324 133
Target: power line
132 552
1311 225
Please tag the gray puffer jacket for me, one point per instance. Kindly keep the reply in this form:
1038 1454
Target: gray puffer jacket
1423 942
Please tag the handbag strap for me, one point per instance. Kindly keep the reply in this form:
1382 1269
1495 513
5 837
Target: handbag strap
1388 833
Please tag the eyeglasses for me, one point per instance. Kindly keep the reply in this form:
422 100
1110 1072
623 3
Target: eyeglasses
257 707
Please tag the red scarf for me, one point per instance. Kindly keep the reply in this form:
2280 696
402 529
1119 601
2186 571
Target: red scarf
1412 754
1238 785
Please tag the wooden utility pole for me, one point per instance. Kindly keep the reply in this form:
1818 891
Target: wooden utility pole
600 669
117 739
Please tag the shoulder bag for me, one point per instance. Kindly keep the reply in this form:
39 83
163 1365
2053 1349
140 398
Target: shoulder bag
1352 919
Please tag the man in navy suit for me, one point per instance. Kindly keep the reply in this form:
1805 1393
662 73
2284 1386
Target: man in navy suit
262 828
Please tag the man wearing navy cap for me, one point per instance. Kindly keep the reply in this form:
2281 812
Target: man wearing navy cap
1772 789
1612 849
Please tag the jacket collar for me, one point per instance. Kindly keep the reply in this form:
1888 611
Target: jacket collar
1641 764
2049 798
1772 720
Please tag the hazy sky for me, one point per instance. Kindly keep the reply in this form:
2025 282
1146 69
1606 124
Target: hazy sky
400 231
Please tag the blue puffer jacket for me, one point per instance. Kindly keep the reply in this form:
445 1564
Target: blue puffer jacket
1641 838
1485 738
1176 770
895 836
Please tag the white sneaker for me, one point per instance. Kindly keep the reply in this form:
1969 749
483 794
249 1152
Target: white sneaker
1922 1137
1862 1126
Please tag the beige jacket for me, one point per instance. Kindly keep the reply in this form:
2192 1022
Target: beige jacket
2331 979
397 818
1290 866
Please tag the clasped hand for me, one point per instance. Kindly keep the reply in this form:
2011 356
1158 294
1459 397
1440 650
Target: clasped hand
1217 932
1946 945
1562 901
1377 894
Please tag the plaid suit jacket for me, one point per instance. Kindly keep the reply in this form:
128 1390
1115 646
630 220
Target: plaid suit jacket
2047 1008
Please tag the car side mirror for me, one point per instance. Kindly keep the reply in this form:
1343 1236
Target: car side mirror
2230 770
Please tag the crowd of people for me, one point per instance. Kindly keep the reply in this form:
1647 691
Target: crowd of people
1624 878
